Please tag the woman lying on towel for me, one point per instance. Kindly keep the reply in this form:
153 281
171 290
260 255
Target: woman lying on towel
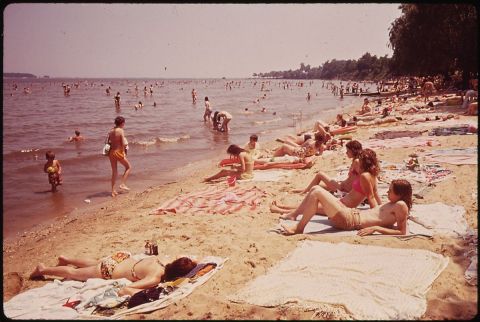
309 148
381 219
144 273
364 186
243 171
353 151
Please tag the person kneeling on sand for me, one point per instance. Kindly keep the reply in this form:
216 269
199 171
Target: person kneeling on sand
381 219
144 273
364 186
243 171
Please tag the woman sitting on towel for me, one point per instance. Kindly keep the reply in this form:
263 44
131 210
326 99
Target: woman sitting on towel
381 219
353 151
364 186
243 171
144 273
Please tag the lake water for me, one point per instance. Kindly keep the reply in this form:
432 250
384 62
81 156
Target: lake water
162 138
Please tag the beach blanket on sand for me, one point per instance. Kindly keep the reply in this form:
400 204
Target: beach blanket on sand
46 302
370 282
213 200
403 142
268 175
396 134
425 220
453 156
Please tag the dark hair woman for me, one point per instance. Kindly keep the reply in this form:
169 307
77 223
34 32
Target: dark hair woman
242 171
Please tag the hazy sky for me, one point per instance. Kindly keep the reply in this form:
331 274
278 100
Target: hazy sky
190 40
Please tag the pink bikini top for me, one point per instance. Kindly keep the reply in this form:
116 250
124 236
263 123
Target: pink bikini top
357 187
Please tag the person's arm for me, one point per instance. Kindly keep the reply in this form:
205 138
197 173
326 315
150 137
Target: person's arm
401 215
137 286
242 162
368 189
59 167
45 167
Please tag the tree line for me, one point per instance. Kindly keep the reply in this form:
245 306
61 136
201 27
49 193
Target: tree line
427 40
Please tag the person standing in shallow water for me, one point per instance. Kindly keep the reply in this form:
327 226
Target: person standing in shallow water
208 110
118 153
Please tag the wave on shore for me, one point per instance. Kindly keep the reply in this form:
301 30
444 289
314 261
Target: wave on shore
160 140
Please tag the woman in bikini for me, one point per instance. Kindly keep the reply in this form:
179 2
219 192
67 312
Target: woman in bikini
144 273
243 171
364 186
353 151
118 146
381 219
309 148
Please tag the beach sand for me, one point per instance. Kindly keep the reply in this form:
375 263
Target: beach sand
243 237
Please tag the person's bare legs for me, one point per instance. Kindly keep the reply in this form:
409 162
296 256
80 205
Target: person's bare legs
113 163
79 274
222 173
127 166
331 206
320 177
78 262
292 215
284 150
279 208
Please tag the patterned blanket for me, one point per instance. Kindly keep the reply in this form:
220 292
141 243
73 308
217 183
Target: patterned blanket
214 200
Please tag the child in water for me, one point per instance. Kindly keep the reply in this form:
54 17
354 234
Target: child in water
53 169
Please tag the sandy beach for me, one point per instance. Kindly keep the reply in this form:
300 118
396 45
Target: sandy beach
244 238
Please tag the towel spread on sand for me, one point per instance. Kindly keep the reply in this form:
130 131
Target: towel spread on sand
46 302
214 200
370 282
404 142
453 156
396 134
461 129
268 175
425 220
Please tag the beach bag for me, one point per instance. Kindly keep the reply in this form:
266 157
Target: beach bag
148 295
106 147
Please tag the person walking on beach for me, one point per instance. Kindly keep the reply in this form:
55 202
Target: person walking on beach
208 110
53 169
118 153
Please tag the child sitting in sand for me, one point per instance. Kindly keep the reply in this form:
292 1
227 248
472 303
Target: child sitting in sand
53 169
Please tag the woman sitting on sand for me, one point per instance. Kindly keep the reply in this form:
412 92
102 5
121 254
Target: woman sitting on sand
144 273
309 148
364 186
354 148
244 171
380 219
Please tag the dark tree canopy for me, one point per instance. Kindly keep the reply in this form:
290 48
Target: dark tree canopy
435 39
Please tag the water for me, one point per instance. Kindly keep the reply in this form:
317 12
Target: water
162 138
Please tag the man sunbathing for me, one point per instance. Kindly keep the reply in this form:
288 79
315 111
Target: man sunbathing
380 219
144 273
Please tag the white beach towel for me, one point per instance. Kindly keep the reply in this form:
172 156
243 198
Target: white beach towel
440 218
370 282
321 225
46 302
426 220
268 175
453 156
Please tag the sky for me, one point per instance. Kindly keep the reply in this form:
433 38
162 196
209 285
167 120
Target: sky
188 40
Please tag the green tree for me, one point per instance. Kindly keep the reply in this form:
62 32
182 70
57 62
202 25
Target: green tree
433 39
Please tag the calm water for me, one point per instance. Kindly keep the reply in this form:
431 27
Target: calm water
161 138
